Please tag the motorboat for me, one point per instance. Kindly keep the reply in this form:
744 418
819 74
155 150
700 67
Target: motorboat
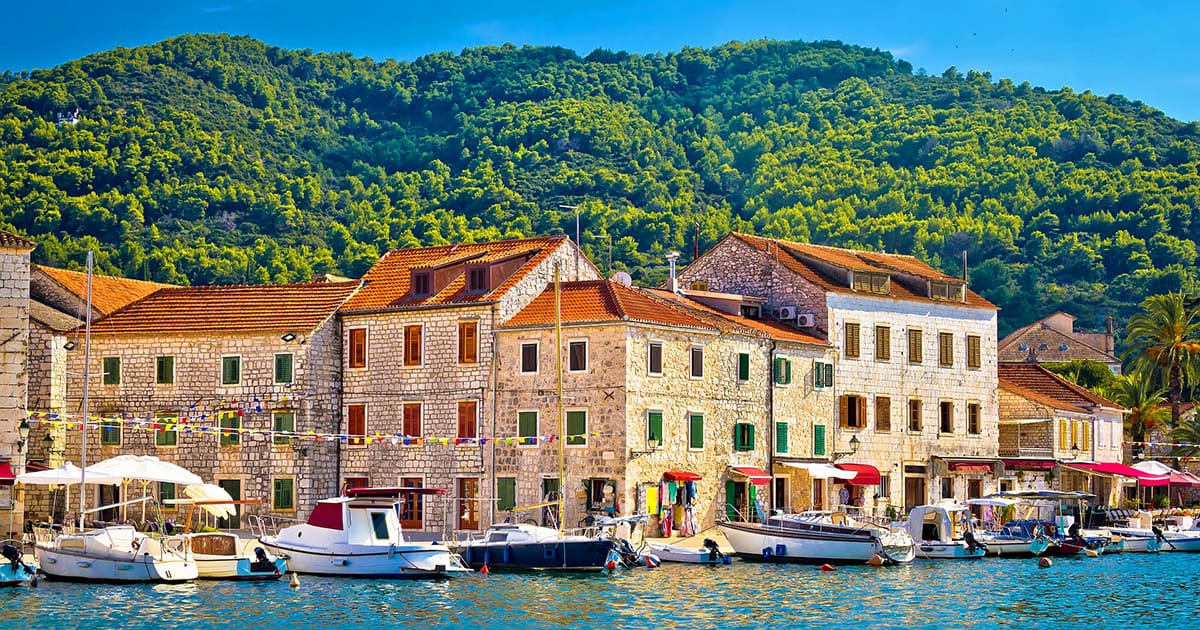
817 537
709 553
944 531
227 556
1179 533
15 572
117 553
359 535
521 546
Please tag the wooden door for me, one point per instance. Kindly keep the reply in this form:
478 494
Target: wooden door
818 494
412 508
914 492
234 488
468 503
108 496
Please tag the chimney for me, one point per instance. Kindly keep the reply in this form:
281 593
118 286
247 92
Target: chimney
964 266
1108 338
671 283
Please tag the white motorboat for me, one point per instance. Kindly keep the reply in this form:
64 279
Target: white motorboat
1180 533
114 554
359 535
226 556
944 531
817 537
708 554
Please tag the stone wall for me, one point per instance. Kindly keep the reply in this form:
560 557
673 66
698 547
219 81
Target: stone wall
14 371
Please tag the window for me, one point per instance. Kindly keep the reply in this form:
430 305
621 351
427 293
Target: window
576 428
946 415
166 493
697 362
973 360
468 419
356 423
283 425
871 282
1064 433
164 370
230 425
818 439
696 431
1085 436
529 358
527 425
744 366
853 411
112 371
783 371
110 432
468 342
883 414
781 437
412 419
577 356
654 360
231 370
743 436
283 368
412 345
952 291
654 427
421 284
946 349
283 495
973 418
914 415
885 485
477 280
506 493
166 430
947 487
358 347
883 343
698 285
822 375
915 340
851 345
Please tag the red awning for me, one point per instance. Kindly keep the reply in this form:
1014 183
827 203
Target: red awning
1113 468
868 475
681 475
757 476
1029 464
6 474
969 465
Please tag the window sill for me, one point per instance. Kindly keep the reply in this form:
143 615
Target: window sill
693 449
654 374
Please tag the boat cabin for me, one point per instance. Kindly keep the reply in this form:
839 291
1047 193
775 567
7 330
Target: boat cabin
367 516
942 522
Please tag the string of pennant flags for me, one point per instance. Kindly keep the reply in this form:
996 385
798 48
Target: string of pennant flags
188 427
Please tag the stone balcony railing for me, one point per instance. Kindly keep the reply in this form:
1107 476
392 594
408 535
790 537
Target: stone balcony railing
1027 452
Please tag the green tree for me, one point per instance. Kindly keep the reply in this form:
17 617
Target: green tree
1164 340
1136 391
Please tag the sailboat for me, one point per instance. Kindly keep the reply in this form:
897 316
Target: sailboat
117 553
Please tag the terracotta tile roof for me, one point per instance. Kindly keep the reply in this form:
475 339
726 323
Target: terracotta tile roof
1037 397
598 301
8 239
744 325
799 257
1047 345
293 308
109 293
387 283
49 317
1037 378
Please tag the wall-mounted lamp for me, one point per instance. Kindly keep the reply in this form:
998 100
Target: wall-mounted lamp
69 346
22 435
854 444
651 446
288 337
298 447
48 441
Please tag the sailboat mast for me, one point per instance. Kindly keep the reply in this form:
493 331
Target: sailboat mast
562 425
87 360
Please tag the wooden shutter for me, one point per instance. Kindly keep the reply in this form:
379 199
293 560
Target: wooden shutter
506 493
165 372
844 410
973 358
356 422
527 423
731 511
358 347
576 428
915 347
818 439
828 375
818 374
1064 433
283 368
468 342
468 419
883 413
654 428
862 411
1085 438
851 349
696 431
112 371
231 370
781 437
412 345
744 366
883 343
946 349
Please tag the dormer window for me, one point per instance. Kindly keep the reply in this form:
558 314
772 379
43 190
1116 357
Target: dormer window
420 283
872 282
477 280
948 291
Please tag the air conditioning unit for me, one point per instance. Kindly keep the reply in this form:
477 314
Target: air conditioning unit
785 313
806 320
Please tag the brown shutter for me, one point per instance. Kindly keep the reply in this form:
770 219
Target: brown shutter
844 409
862 411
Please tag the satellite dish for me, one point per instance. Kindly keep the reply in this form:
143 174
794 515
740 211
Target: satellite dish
623 278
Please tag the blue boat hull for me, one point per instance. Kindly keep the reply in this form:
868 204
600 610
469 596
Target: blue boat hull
572 555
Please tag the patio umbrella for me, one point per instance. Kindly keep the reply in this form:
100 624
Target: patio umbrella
210 492
66 475
146 469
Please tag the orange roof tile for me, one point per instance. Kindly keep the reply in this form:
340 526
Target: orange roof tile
387 283
1047 346
797 257
109 293
229 309
1038 397
598 301
8 239
745 325
1037 378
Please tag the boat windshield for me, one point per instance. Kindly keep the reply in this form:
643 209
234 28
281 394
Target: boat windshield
380 526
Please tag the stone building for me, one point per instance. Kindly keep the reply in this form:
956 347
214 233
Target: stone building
915 367
14 370
1054 339
420 365
232 383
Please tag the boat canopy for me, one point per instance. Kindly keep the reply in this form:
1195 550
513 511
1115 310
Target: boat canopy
820 470
757 476
868 475
681 475
327 514
993 501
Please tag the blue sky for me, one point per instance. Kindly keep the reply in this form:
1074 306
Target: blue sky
1147 53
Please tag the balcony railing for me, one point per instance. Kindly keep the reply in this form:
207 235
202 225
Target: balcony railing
1027 452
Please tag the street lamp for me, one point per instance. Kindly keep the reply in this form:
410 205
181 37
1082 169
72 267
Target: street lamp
22 435
48 441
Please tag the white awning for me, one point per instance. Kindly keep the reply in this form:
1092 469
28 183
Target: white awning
818 470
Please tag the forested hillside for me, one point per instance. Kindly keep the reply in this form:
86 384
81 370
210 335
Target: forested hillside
218 159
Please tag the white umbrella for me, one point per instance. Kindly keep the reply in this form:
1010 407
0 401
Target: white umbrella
146 469
66 474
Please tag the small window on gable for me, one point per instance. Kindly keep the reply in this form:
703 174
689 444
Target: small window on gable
871 282
421 283
477 280
750 311
698 285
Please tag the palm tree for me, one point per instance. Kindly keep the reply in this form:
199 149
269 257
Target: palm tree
1165 338
1135 391
1186 432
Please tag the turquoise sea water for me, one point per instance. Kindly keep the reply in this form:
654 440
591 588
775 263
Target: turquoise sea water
1142 590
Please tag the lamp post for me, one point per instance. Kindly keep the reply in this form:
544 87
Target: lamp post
22 435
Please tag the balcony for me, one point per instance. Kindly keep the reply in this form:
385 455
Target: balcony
1047 453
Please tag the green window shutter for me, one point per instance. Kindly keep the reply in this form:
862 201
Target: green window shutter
818 439
749 437
731 512
576 428
818 374
164 373
781 437
787 371
696 431
828 375
230 420
743 436
231 372
743 366
166 490
777 370
506 493
283 368
654 428
751 508
527 424
284 423
283 499
112 370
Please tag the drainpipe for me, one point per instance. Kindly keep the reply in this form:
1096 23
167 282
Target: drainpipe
771 420
495 398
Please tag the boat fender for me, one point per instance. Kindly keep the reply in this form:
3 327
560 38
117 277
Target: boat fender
295 583
1045 563
652 561
875 560
484 570
611 565
827 567
1091 553
781 550
726 560
766 552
